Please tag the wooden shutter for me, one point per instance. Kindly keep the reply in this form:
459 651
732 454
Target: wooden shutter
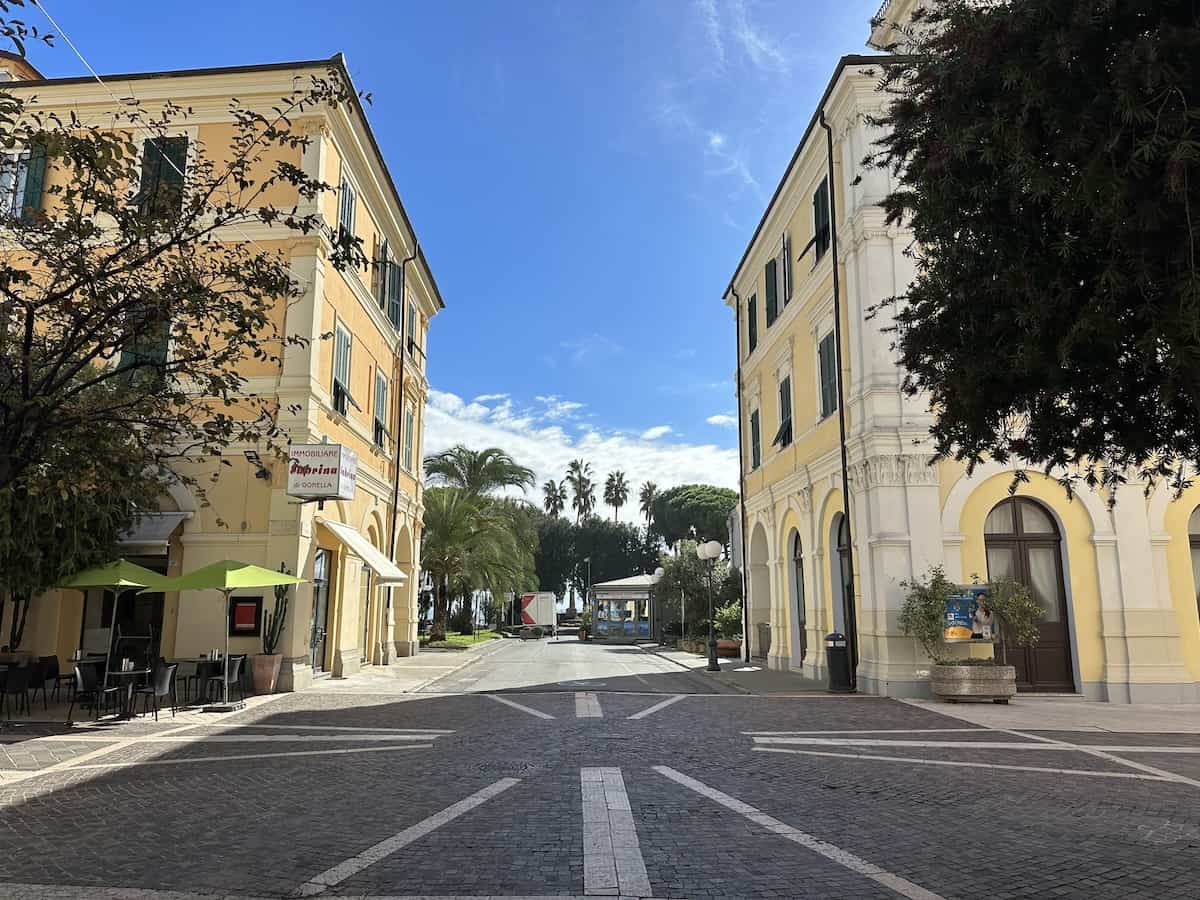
35 177
752 323
755 443
821 220
771 276
395 295
828 360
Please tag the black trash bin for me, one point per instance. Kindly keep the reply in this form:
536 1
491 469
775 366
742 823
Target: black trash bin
837 658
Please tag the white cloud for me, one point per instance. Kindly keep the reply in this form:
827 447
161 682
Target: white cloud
711 23
554 407
653 434
536 440
761 50
721 420
486 398
716 140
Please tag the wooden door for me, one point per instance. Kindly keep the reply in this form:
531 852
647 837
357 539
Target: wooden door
1023 544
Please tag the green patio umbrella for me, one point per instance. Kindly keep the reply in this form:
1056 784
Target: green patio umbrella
225 576
116 576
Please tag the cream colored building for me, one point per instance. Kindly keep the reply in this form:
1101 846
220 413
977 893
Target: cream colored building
1119 585
364 388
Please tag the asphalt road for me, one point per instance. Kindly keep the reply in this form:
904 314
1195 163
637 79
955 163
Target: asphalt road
574 770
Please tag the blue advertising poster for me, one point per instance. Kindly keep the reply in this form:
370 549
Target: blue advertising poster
967 615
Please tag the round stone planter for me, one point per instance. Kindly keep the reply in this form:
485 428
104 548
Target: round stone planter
954 683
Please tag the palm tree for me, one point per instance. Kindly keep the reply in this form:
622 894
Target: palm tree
646 498
471 541
555 493
477 472
579 476
616 491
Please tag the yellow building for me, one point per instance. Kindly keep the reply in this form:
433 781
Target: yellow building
363 387
825 428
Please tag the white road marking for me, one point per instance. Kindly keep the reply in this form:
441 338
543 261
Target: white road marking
335 875
967 765
587 706
430 731
1102 754
18 891
872 731
854 863
942 745
521 707
255 738
612 857
649 711
235 756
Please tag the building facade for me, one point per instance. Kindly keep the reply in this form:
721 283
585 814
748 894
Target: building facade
358 380
825 430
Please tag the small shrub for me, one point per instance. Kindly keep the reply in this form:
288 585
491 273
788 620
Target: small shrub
727 621
923 612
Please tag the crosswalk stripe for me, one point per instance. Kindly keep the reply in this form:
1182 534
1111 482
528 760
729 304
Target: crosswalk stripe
612 856
587 706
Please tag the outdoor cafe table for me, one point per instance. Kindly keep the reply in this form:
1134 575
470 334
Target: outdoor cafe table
130 677
205 666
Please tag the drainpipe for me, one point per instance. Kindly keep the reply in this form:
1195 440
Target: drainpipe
398 439
742 482
847 601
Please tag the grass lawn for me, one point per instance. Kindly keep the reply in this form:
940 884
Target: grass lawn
459 641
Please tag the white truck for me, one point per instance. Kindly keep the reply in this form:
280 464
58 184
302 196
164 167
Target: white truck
537 610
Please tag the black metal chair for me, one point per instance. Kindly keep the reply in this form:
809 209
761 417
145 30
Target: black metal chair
37 680
162 684
89 690
16 684
55 677
234 676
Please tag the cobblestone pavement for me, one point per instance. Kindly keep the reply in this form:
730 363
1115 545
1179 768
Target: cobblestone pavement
532 794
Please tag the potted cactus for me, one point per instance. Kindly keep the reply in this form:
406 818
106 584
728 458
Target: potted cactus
265 666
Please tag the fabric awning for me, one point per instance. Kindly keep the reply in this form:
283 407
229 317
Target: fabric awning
151 532
386 571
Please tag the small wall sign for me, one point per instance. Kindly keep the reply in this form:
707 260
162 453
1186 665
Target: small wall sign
321 471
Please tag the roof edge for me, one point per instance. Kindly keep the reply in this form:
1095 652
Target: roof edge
852 59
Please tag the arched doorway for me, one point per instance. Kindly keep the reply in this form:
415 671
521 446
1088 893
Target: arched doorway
1023 543
843 585
760 594
796 577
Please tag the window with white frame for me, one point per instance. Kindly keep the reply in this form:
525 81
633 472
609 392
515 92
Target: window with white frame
14 177
783 437
347 206
408 436
342 399
381 409
827 373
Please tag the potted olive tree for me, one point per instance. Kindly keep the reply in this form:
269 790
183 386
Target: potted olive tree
1015 615
265 666
585 625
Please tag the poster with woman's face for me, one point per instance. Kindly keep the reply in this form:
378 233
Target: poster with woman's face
967 615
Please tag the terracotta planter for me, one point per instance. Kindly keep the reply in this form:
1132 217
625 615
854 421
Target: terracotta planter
729 648
583 634
954 683
264 670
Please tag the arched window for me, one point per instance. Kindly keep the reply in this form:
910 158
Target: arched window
1194 543
1023 544
798 581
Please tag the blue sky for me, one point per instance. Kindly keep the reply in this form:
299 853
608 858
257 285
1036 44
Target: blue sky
583 177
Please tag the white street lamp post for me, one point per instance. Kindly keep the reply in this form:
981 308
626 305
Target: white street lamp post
709 553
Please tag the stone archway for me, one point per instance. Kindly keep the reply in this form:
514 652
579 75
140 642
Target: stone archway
760 591
797 598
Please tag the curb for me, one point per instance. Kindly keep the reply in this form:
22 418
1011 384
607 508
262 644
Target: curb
705 679
472 654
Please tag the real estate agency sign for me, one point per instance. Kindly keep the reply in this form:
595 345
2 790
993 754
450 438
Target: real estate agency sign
321 471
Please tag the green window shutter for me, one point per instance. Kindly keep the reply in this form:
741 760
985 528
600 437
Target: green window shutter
755 443
173 151
821 220
151 164
35 178
769 274
395 307
828 365
752 323
164 163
